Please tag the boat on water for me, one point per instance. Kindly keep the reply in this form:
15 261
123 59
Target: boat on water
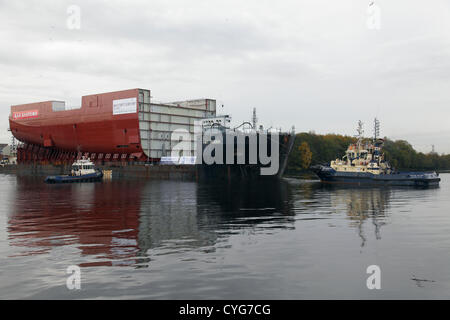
364 163
83 170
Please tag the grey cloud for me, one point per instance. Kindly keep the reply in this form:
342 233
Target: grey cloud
312 64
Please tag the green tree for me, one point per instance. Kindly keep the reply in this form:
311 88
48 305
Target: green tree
305 155
324 148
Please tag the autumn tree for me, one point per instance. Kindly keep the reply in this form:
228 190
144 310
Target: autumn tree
311 149
305 155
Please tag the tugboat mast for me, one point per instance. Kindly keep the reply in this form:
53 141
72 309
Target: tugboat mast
360 131
376 129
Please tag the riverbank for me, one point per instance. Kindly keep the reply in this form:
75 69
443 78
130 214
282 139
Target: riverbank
175 172
124 170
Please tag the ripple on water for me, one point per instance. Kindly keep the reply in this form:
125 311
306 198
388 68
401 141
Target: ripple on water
173 239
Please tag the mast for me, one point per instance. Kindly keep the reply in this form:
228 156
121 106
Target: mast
360 131
254 119
376 129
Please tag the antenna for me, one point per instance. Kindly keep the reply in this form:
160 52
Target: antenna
13 146
254 119
376 129
360 131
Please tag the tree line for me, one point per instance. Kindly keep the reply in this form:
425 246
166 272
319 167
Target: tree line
311 149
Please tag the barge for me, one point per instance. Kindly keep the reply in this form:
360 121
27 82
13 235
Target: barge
126 132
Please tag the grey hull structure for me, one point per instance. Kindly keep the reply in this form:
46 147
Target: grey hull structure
418 179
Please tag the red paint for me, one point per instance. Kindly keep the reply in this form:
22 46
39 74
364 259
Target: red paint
93 128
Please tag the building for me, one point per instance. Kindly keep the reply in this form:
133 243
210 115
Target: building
116 126
164 118
4 149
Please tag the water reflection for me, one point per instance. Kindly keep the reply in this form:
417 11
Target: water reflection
119 222
125 222
363 204
247 204
358 204
101 220
177 240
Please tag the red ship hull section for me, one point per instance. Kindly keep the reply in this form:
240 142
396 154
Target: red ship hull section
93 129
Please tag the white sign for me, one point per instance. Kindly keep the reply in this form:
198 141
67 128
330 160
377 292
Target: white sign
195 104
124 106
221 120
178 160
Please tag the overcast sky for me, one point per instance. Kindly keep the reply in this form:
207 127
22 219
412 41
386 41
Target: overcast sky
318 65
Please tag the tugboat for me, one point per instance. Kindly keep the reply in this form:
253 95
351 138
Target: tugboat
365 163
83 170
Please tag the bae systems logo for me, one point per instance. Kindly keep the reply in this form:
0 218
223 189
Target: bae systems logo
25 114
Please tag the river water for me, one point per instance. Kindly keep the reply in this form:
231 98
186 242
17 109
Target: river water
294 239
